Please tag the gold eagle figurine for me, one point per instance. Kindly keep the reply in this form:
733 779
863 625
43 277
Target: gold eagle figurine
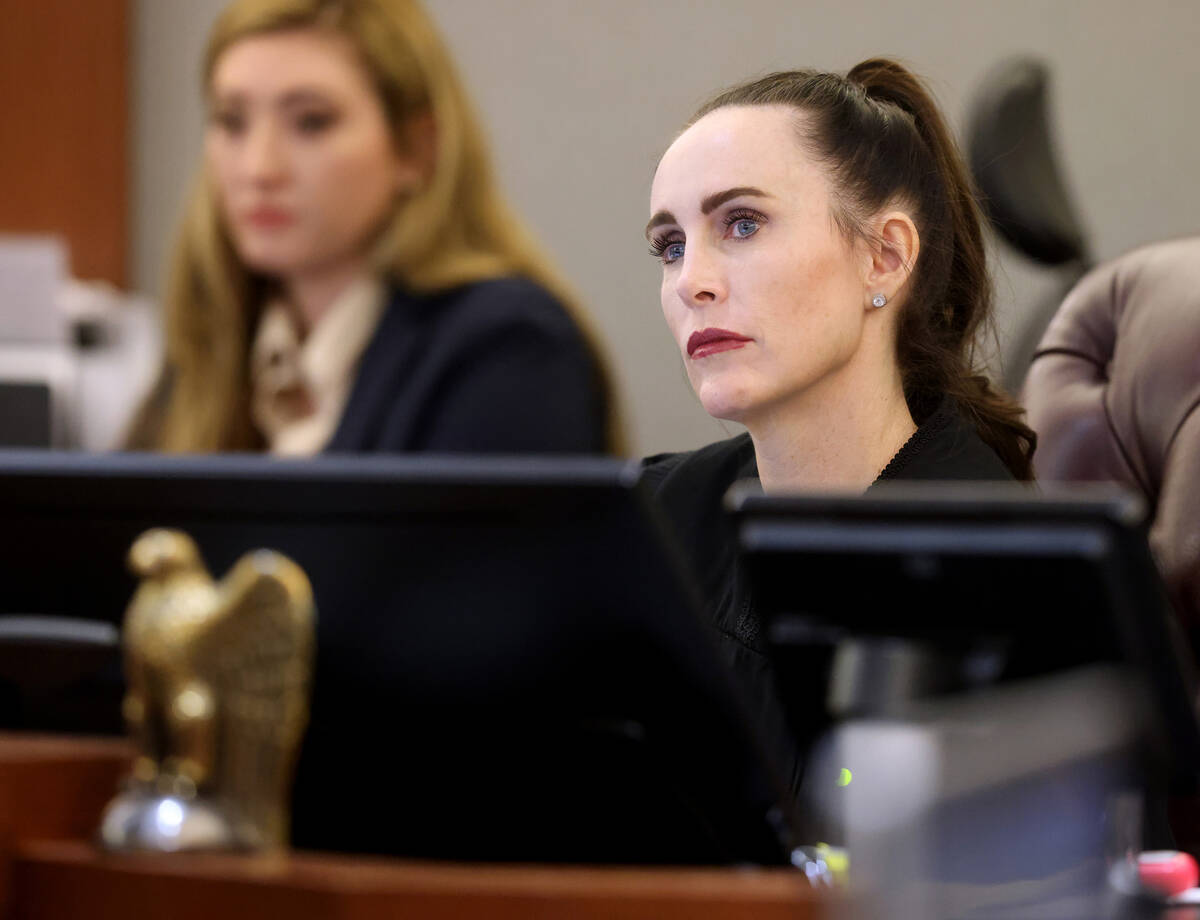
217 677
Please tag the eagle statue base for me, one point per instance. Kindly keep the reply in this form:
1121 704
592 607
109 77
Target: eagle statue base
141 820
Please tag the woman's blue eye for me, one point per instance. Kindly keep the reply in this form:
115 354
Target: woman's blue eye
745 227
672 251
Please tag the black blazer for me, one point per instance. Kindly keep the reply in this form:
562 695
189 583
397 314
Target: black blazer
494 366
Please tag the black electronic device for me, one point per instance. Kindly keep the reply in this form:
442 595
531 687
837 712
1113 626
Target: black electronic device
510 664
989 683
993 581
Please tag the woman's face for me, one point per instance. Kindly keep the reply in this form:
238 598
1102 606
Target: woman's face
764 295
301 152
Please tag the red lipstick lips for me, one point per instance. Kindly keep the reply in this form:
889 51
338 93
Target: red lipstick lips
711 341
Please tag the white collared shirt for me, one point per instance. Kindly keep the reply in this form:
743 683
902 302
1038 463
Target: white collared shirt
300 388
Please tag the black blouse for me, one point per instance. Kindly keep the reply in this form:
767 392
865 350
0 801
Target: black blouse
690 488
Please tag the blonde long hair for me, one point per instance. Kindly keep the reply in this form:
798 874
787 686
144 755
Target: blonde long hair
455 230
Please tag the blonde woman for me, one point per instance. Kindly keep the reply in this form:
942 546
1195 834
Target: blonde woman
347 277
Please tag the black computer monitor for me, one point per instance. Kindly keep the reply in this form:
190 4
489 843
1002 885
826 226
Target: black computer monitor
509 660
999 581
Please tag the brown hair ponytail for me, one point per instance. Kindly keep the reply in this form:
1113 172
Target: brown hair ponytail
883 138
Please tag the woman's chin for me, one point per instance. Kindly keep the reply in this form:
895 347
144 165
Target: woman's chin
264 261
726 406
273 254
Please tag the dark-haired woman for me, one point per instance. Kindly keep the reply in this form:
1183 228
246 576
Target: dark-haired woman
824 276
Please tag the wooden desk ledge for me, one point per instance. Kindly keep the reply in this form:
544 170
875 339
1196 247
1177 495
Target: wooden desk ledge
56 786
52 790
73 879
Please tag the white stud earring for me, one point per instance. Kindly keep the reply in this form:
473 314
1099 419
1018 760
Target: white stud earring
879 300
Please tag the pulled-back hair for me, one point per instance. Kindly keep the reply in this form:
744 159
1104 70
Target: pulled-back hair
879 133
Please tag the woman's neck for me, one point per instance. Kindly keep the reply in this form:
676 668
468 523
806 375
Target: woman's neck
311 295
838 439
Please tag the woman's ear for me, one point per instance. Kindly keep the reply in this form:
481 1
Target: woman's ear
416 153
894 250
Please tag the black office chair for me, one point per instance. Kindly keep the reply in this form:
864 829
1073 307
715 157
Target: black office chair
1012 155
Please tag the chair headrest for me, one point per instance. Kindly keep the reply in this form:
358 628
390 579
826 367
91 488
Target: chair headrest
1012 157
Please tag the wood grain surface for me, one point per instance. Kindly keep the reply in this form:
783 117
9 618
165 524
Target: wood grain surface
64 88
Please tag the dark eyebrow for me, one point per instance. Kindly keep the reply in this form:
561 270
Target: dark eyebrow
709 204
662 217
714 201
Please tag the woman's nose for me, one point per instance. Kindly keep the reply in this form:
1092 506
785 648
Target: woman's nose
699 280
263 159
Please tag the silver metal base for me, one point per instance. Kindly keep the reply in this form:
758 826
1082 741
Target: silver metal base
149 821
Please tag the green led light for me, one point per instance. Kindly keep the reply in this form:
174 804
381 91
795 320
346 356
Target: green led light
844 777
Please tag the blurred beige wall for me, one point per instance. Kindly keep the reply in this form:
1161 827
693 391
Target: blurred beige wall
580 98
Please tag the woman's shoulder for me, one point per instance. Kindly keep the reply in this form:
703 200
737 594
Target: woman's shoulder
709 470
947 447
489 306
491 366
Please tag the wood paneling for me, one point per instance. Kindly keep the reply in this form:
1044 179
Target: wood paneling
54 787
63 127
